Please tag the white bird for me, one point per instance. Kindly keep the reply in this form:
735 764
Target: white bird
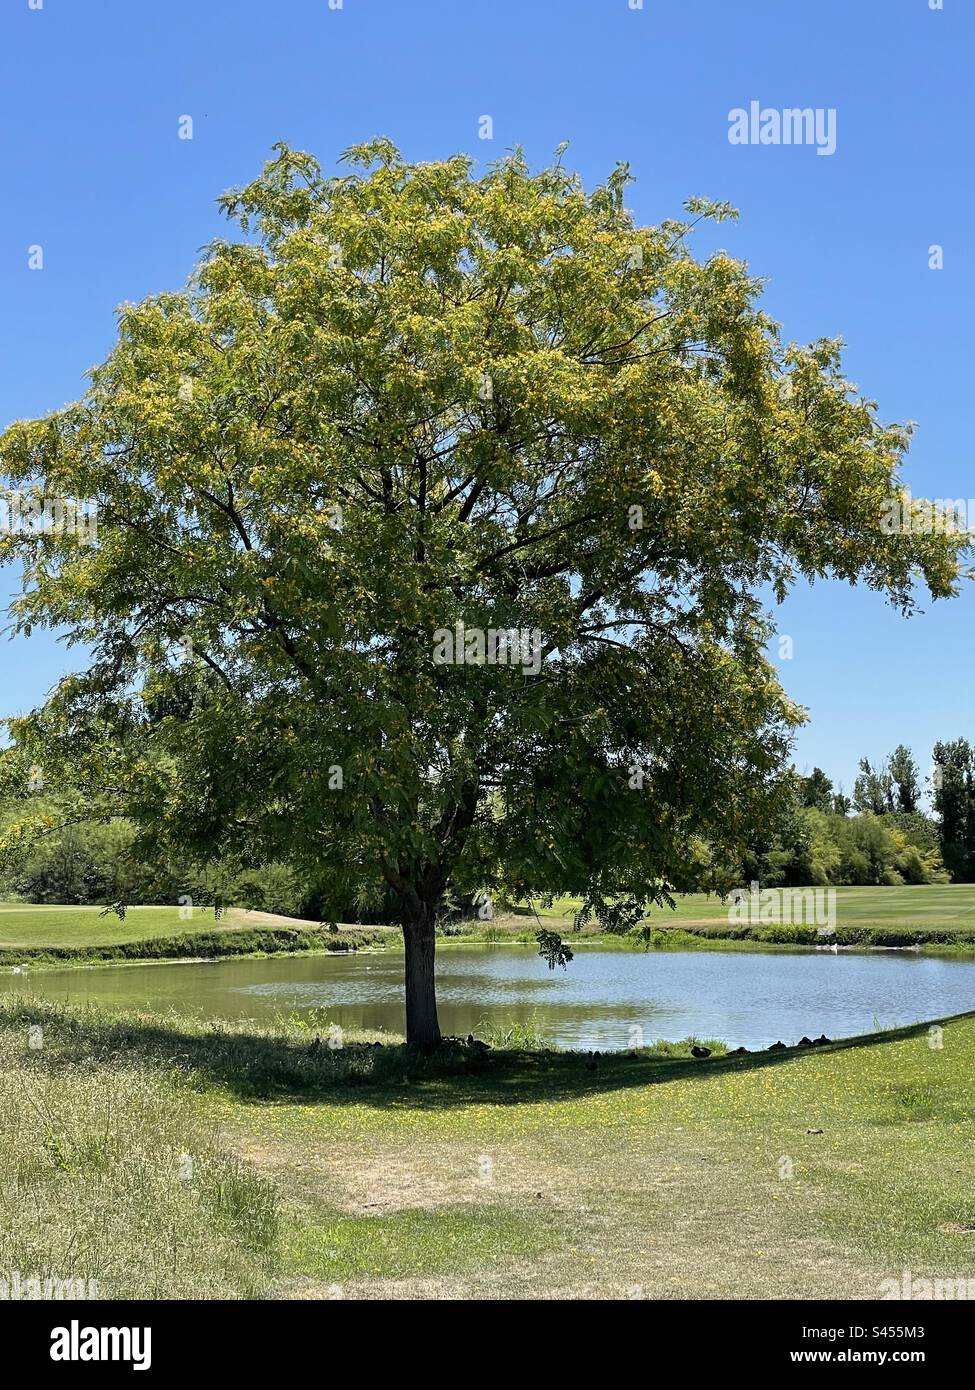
834 948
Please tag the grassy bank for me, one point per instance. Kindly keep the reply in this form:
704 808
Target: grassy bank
375 1171
196 946
939 917
41 935
938 939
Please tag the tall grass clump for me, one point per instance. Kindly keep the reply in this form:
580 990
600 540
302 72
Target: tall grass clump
521 1036
108 1173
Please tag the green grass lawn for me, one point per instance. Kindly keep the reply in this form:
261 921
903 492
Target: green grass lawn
30 925
24 924
930 905
947 906
374 1172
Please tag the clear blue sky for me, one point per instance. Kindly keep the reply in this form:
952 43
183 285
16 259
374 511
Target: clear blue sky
91 92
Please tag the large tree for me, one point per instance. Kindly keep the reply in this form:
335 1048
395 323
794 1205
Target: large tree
953 794
905 776
873 790
816 790
406 398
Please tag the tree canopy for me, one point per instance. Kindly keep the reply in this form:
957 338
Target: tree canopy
407 403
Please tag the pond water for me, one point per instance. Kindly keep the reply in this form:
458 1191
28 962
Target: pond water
748 999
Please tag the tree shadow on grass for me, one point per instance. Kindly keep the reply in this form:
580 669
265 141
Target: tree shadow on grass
265 1067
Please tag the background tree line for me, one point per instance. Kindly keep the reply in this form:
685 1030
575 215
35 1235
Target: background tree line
83 861
878 835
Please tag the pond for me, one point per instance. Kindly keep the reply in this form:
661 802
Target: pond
748 999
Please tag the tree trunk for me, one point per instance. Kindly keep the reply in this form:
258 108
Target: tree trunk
422 1026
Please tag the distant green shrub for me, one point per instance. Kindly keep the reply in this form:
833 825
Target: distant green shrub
844 935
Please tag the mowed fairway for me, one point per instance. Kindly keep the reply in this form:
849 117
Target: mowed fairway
928 905
797 1174
27 925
